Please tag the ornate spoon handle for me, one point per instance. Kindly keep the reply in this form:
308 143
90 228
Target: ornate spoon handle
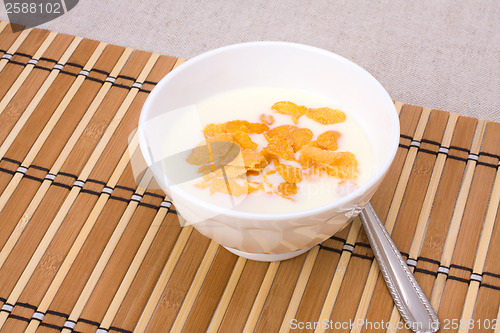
409 298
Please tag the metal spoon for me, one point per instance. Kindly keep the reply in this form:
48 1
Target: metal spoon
409 298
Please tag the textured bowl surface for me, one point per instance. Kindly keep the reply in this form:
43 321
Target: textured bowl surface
274 64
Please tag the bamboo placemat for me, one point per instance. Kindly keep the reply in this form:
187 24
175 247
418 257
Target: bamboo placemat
85 248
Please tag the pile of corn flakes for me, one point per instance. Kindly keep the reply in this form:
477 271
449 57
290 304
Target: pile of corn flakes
230 162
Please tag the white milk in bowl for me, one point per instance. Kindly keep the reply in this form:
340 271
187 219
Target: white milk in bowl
270 150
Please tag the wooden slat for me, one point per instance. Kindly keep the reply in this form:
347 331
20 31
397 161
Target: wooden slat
48 152
406 229
7 35
133 268
18 111
310 303
260 299
300 287
72 197
29 140
2 25
488 298
15 46
456 219
243 296
484 241
18 66
21 78
90 141
328 272
107 252
166 300
430 194
96 153
228 293
443 205
35 259
412 124
454 301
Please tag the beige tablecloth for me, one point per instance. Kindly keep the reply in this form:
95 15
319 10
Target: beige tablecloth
439 54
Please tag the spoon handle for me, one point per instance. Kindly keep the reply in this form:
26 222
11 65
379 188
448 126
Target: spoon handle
409 298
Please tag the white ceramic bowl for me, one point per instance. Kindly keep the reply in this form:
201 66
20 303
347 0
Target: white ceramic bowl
277 64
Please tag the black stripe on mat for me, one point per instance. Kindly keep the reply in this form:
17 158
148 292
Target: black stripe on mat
10 172
72 64
330 249
125 188
489 155
463 268
26 305
22 55
17 63
83 190
66 174
86 76
43 68
362 256
492 275
404 136
11 160
95 79
100 71
121 330
59 328
431 142
432 261
39 168
62 185
120 76
459 279
90 322
151 194
425 271
362 244
48 60
460 149
68 73
95 181
13 316
57 313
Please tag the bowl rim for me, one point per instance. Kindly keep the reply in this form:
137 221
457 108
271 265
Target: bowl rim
341 202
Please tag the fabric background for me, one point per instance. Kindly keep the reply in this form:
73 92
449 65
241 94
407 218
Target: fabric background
435 53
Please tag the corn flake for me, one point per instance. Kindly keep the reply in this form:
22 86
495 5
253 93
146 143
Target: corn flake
228 153
289 108
326 116
328 140
212 129
266 119
199 155
281 147
299 137
253 160
288 188
234 126
282 130
244 140
289 173
336 164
